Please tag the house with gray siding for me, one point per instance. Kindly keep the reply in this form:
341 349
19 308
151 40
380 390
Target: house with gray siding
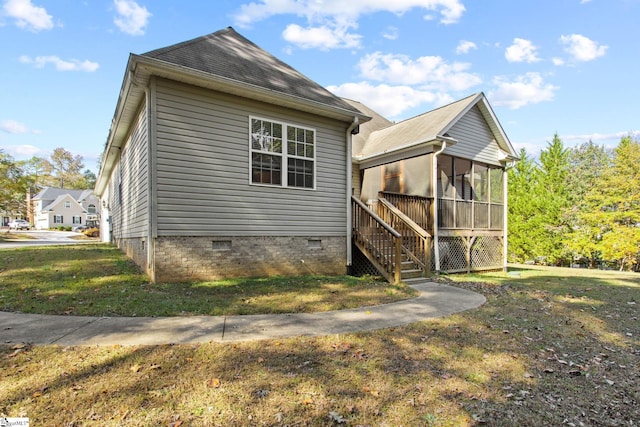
446 171
223 161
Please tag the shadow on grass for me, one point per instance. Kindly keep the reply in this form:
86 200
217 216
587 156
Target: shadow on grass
543 350
98 280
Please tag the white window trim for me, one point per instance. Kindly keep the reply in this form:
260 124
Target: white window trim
284 155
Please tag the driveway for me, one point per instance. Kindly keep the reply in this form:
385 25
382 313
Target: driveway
43 238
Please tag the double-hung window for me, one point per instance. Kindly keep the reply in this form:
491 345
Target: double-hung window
282 155
57 219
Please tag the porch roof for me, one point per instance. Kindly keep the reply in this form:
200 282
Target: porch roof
431 128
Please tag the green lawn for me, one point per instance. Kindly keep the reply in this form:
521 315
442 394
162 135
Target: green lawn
551 347
98 280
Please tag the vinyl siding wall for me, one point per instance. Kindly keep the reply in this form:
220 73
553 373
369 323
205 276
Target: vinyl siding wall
129 185
203 175
475 140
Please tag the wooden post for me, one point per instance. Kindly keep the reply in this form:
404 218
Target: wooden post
427 256
398 260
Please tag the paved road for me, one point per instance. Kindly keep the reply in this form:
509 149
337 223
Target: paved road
42 238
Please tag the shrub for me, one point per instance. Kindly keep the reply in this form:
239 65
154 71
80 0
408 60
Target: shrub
91 232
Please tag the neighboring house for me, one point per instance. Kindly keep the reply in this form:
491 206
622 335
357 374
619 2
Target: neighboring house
7 217
60 207
224 161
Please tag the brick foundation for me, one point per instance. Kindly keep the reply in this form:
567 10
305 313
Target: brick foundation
136 249
212 258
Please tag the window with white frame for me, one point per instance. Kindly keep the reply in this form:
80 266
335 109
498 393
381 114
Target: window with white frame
67 204
282 155
77 219
57 219
91 209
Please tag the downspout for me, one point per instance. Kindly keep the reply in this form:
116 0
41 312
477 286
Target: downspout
351 130
150 269
505 216
434 180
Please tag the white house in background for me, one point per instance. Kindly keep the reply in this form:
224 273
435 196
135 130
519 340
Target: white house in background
56 207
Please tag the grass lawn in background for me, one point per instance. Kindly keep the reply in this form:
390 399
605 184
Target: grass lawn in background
550 347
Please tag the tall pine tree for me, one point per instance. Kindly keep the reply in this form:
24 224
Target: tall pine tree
552 197
523 218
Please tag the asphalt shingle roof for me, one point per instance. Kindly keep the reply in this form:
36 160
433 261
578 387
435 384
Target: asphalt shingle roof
422 128
227 54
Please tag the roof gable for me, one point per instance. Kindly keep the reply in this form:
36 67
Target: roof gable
59 200
223 61
431 128
227 54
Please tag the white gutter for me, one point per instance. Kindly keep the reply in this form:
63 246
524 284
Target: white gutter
405 147
354 125
434 180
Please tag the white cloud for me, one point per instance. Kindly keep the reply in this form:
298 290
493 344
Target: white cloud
331 19
582 48
132 18
23 151
13 127
390 101
34 18
558 61
465 46
433 72
529 88
521 51
391 33
60 64
450 10
323 38
601 136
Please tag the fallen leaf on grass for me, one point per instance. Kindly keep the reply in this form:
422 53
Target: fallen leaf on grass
372 392
334 416
135 368
214 383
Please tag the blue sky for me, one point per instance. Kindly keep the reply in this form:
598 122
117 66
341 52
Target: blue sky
547 66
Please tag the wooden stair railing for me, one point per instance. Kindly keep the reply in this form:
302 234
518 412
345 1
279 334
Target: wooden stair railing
380 243
416 242
418 208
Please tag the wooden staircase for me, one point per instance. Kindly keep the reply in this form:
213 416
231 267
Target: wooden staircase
396 246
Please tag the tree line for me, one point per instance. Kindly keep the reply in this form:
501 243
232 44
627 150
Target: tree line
577 205
19 177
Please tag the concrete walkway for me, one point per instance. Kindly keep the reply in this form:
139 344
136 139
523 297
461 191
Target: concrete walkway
435 300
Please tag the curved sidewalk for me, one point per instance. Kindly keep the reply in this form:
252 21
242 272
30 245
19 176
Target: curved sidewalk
435 300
